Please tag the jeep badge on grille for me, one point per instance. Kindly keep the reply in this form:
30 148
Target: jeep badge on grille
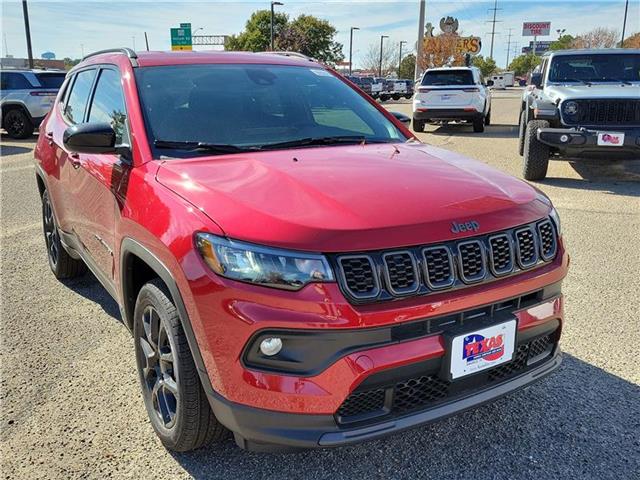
465 227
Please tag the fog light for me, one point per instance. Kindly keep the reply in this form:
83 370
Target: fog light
564 138
271 346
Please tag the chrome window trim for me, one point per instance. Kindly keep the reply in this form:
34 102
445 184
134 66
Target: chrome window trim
387 277
536 257
511 255
554 234
483 254
426 268
376 280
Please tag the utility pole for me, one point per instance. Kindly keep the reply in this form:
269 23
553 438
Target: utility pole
382 37
351 49
400 60
27 31
624 22
420 44
508 46
133 39
272 15
146 40
493 24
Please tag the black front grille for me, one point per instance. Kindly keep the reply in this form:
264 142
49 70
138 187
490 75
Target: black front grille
603 112
384 275
439 267
526 249
402 273
359 276
421 392
501 254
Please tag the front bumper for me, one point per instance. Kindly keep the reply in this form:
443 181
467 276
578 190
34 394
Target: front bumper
583 141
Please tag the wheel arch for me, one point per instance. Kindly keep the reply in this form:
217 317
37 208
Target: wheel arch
10 106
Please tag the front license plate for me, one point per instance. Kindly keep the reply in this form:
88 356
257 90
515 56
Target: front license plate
610 139
482 349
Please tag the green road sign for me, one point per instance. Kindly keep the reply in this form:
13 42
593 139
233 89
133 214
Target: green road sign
181 37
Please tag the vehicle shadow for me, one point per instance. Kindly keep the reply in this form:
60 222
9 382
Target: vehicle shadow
490 131
8 150
89 287
621 177
560 427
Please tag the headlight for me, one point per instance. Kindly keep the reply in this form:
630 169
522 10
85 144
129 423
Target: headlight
570 108
265 266
556 220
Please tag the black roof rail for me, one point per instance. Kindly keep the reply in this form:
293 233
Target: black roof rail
127 51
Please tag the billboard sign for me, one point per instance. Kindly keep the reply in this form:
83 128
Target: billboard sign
541 47
536 29
181 37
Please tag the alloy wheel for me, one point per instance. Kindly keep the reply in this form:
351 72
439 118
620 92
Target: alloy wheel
157 363
50 232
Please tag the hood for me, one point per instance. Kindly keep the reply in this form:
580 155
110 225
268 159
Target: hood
596 90
351 198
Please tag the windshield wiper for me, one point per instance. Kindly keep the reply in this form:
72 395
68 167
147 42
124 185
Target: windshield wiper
610 79
198 146
312 141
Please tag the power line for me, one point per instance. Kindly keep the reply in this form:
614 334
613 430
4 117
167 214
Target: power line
493 24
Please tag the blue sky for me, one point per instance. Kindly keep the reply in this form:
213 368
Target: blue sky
67 28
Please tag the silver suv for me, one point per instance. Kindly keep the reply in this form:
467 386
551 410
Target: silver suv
26 97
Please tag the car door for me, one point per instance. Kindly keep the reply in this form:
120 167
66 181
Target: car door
96 183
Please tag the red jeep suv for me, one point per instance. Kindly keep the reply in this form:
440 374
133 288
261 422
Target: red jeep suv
294 265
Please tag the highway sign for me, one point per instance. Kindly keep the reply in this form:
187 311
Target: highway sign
181 37
536 29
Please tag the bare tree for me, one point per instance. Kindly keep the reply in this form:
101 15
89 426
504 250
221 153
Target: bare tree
600 37
390 52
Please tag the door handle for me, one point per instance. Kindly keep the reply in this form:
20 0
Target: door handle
74 158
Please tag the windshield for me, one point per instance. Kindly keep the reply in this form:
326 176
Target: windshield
595 68
448 77
252 107
51 80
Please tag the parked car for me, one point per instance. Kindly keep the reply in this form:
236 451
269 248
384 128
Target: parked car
396 88
294 265
26 97
581 103
363 82
452 93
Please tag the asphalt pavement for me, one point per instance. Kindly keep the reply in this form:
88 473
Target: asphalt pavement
71 405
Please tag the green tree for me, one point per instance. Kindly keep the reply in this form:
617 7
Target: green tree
524 64
306 34
69 63
486 65
563 43
256 36
407 66
313 37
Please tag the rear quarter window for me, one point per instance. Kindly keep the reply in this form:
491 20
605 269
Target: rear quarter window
14 81
51 80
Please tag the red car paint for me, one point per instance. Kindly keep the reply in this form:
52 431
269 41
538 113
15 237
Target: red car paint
329 199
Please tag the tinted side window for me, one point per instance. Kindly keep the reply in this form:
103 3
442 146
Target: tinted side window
14 81
74 110
108 105
51 80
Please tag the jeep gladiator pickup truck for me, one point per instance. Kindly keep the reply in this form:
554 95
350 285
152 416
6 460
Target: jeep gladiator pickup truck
581 103
294 266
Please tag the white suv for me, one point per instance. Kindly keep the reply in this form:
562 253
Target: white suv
452 93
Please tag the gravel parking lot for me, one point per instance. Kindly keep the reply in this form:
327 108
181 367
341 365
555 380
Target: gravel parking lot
70 400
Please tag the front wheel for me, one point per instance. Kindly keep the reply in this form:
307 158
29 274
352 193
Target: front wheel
536 153
173 396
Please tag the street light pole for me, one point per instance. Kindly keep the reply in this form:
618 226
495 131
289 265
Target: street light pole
400 60
27 30
351 48
624 23
272 15
420 43
382 37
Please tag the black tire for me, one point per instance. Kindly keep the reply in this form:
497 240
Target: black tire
521 132
61 263
418 125
17 124
395 96
384 98
173 396
408 96
536 153
478 124
487 119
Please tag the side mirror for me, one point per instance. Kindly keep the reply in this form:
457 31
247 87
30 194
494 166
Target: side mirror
402 118
489 83
536 79
90 138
